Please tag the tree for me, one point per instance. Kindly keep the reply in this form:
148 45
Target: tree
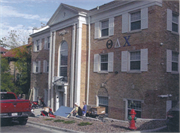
23 66
14 39
6 78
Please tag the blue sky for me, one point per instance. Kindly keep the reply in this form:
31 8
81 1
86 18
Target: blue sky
23 15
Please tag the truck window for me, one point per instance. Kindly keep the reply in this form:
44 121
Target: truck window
7 96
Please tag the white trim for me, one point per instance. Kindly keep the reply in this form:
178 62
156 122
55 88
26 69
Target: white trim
78 62
72 66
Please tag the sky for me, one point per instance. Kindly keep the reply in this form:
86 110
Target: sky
23 15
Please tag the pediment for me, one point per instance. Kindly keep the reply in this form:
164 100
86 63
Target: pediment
62 13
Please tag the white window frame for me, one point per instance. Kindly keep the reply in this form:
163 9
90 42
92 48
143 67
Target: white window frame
125 61
104 28
98 28
104 62
37 45
135 60
170 21
169 61
36 66
97 63
176 23
134 20
126 20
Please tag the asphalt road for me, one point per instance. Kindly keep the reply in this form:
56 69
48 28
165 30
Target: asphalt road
28 128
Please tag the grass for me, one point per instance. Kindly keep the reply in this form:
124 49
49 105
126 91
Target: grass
68 122
58 120
84 124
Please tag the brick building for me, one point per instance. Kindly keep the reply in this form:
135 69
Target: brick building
121 55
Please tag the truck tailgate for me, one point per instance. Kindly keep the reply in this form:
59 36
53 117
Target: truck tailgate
15 105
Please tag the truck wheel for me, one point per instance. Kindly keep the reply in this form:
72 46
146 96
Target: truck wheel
23 121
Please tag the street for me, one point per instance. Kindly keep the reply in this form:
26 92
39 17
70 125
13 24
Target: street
28 128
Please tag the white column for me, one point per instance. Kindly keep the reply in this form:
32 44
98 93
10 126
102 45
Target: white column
49 74
65 95
78 62
72 66
53 58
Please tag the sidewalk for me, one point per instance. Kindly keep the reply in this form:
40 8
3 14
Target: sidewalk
108 125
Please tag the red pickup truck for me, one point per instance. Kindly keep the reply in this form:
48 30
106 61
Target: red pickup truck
13 108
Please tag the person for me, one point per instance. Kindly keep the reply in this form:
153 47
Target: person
75 110
19 97
84 110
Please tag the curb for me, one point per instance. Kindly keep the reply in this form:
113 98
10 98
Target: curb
73 131
52 127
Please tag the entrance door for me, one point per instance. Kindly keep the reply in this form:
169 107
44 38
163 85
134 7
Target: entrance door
61 97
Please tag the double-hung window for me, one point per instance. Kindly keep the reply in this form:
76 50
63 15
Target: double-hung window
174 22
135 20
104 62
135 60
172 61
175 61
37 66
37 45
48 42
105 28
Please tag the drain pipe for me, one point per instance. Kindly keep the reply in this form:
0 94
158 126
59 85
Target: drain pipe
89 54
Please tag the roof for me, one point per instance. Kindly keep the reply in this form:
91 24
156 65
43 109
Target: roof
75 8
11 53
3 49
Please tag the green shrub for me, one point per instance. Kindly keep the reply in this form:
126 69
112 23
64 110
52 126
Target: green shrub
68 122
58 120
84 123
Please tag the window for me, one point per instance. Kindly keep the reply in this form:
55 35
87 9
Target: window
136 20
135 59
37 66
48 42
174 61
45 66
174 22
104 28
103 62
103 101
63 60
136 105
37 45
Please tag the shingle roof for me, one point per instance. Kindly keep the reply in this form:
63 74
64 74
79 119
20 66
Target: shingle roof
3 49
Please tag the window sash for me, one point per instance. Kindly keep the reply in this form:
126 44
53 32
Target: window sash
136 20
37 45
105 28
104 62
135 62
